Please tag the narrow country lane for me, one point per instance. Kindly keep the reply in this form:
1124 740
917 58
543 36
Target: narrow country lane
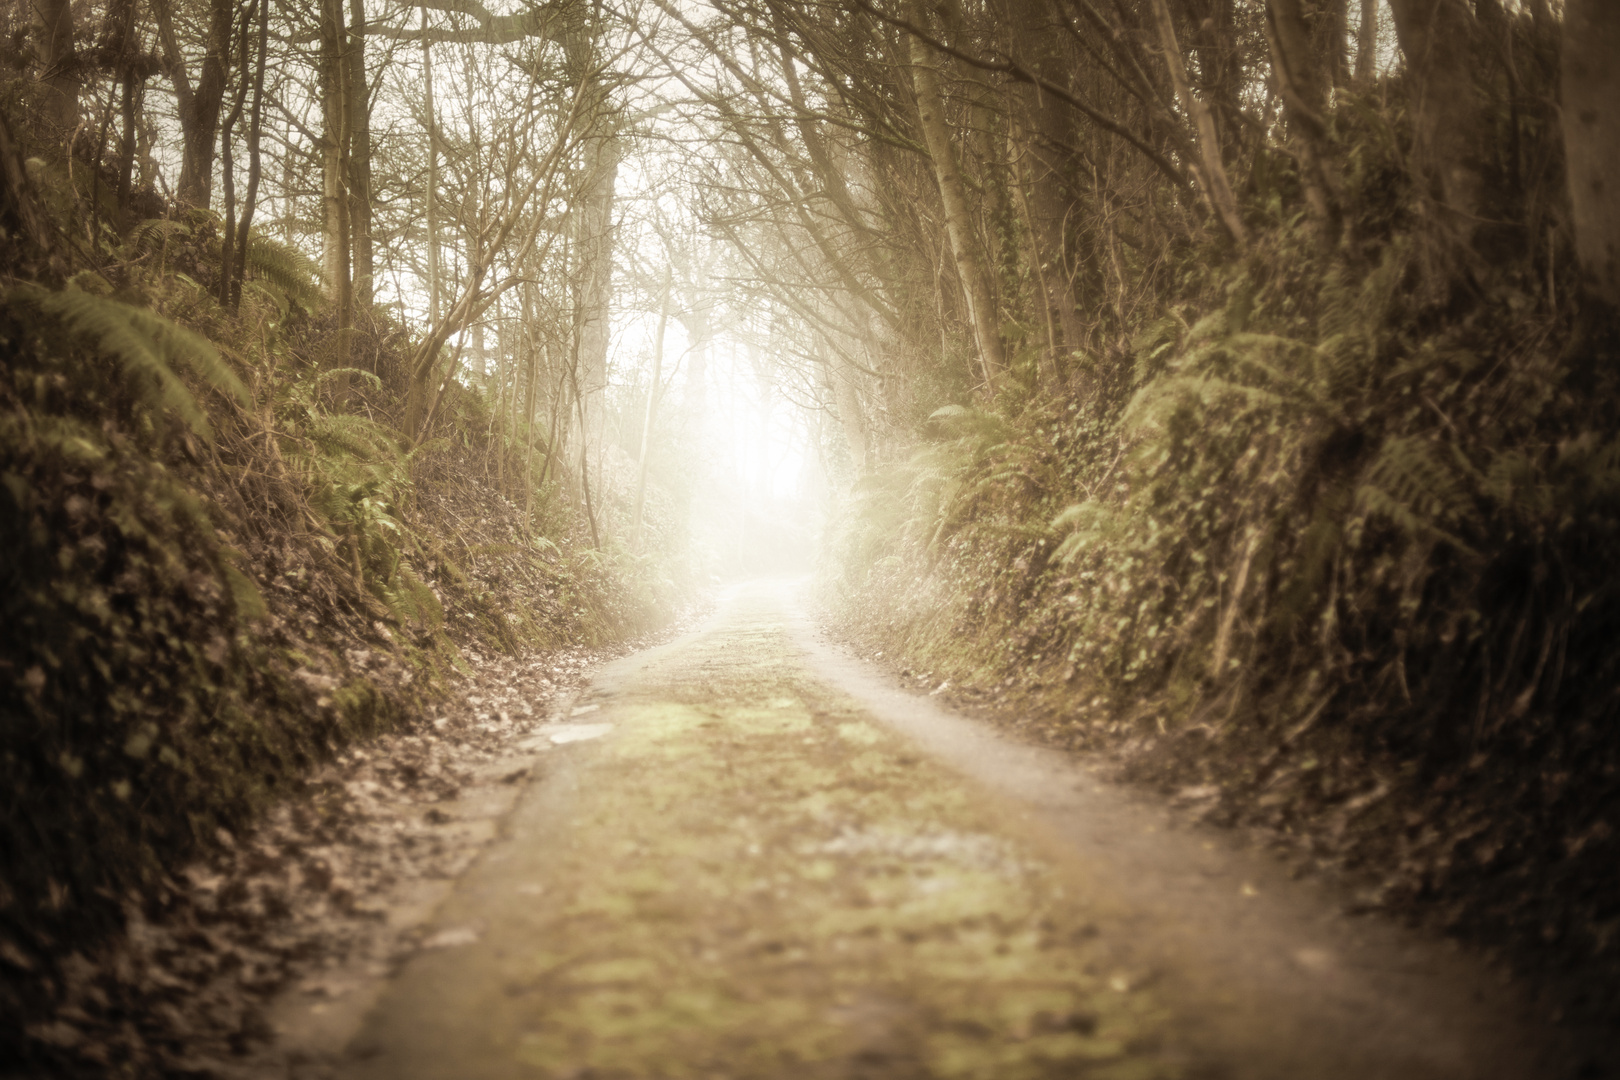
758 861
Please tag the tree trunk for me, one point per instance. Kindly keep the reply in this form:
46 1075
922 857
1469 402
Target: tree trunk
434 286
1591 122
1328 40
584 445
128 107
1217 188
1367 44
227 171
970 265
1305 99
1046 163
1220 67
645 450
595 247
1436 38
851 416
121 25
59 62
695 321
199 105
358 99
335 199
255 133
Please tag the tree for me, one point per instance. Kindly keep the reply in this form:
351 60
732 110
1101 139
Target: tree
1295 64
54 40
1437 37
970 265
1591 126
337 116
200 102
1217 188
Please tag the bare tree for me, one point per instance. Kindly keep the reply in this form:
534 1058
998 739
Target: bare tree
970 264
200 101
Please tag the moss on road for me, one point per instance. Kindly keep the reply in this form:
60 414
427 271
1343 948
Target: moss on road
749 878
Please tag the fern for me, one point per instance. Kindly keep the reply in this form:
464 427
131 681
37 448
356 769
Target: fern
959 421
153 234
294 273
354 435
1421 492
1088 524
146 345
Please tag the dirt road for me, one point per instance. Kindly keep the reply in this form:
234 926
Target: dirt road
749 856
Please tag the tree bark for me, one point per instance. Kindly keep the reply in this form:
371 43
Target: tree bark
1212 170
199 105
1220 67
851 416
358 100
434 286
59 62
1591 123
1367 44
528 339
595 246
970 265
1305 99
651 413
121 23
1039 147
129 106
1436 38
694 319
1328 39
593 224
255 134
227 170
335 113
584 446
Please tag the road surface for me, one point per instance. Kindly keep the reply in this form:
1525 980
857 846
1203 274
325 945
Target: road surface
748 855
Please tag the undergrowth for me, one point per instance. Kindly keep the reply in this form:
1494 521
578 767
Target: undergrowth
220 563
1331 557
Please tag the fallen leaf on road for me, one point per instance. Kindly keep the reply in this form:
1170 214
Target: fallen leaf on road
580 732
451 938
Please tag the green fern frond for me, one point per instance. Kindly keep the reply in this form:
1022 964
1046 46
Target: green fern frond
65 437
1586 469
1374 501
959 421
354 435
1421 491
1087 524
1155 403
272 292
348 372
145 344
298 276
1339 311
154 234
91 282
428 447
